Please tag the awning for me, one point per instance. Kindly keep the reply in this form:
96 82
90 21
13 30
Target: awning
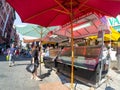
114 36
33 30
86 26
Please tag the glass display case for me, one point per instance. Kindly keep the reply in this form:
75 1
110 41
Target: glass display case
85 57
90 62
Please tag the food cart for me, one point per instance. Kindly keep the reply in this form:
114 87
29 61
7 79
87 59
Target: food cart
88 62
91 62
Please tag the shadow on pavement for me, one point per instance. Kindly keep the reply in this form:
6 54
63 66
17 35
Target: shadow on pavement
46 74
63 78
20 58
21 64
116 70
109 88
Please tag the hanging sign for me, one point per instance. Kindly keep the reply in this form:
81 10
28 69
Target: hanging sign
114 21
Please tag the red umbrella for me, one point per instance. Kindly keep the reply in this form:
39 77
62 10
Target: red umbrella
57 12
60 12
84 27
53 37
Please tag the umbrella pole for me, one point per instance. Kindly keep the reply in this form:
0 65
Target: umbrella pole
72 58
40 52
40 60
72 48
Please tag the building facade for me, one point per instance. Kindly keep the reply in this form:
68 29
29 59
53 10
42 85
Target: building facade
7 17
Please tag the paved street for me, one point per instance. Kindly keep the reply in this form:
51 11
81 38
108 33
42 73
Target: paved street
17 78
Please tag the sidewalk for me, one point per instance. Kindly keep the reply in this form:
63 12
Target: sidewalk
17 78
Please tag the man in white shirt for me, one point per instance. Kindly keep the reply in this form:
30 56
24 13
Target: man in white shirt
118 54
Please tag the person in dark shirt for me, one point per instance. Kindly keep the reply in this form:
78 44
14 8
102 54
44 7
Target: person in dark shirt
35 60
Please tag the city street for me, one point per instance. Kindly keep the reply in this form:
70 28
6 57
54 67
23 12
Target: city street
17 78
77 43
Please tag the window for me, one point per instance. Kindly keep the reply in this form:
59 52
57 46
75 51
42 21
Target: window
0 4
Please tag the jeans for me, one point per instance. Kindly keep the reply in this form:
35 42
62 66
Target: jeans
11 59
118 63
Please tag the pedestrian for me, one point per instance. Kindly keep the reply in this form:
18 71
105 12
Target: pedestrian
41 52
118 54
11 54
2 50
17 52
35 61
47 52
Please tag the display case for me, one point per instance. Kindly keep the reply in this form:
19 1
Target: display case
50 61
90 62
85 57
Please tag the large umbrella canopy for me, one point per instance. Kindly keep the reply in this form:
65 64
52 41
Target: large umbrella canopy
85 26
60 12
34 30
29 39
57 12
52 37
114 35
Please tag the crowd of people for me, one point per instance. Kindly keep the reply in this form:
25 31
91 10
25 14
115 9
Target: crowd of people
36 51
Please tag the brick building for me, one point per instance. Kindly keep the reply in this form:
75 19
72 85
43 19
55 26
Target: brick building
7 17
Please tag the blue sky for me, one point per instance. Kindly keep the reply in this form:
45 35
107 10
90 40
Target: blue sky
18 21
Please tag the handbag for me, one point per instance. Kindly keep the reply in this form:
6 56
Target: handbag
7 57
31 68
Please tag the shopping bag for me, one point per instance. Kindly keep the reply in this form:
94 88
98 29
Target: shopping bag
7 57
31 68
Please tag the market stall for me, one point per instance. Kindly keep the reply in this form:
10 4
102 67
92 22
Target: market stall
91 61
87 62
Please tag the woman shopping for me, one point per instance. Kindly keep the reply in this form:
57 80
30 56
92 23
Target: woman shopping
35 61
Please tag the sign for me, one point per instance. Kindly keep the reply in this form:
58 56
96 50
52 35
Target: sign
114 21
103 27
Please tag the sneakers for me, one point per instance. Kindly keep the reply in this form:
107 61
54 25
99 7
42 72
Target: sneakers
10 65
32 77
38 79
13 64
